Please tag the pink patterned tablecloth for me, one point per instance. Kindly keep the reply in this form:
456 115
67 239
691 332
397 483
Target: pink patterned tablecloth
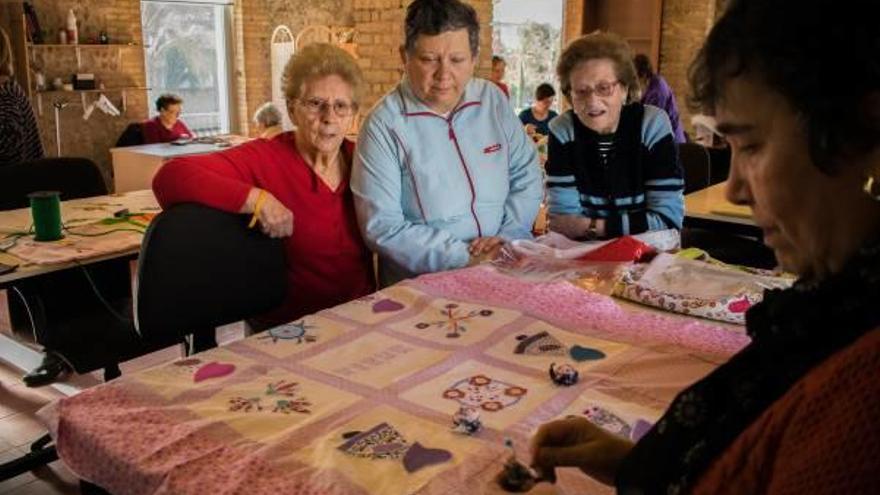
358 398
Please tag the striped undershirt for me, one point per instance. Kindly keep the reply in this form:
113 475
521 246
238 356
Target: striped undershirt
605 147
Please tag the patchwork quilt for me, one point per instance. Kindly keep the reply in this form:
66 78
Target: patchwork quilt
358 399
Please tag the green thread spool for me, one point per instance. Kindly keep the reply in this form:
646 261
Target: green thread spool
46 212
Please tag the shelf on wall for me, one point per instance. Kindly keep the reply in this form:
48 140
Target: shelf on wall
78 49
87 45
82 93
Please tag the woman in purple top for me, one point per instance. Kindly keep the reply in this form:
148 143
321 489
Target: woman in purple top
656 91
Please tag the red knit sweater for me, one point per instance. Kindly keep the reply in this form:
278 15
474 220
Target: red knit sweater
327 262
821 437
155 131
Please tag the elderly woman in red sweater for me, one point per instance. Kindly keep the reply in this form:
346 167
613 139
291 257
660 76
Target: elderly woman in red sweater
296 184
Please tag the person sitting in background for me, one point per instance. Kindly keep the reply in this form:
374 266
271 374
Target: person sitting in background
296 185
499 66
267 120
795 411
167 126
19 136
612 166
540 114
656 91
444 172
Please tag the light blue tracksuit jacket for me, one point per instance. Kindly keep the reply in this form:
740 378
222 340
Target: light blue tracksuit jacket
425 184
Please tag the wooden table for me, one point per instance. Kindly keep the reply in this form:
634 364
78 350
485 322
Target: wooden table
709 209
135 166
77 212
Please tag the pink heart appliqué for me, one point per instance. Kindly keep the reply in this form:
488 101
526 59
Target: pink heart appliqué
387 306
419 456
740 306
213 370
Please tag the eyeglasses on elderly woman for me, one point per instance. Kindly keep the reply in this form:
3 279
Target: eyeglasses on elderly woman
317 106
603 89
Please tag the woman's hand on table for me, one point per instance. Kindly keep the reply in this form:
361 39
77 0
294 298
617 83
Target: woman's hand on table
275 219
574 226
485 249
576 442
571 226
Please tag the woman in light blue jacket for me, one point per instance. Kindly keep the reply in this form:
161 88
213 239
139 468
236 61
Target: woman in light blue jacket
444 173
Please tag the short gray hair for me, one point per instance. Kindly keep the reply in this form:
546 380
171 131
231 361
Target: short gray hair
320 60
433 17
268 115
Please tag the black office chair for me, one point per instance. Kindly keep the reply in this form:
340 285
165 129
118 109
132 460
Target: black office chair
199 268
697 166
133 135
73 177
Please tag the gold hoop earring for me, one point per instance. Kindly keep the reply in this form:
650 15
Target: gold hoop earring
872 187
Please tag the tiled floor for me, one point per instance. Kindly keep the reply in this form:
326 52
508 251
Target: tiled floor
19 426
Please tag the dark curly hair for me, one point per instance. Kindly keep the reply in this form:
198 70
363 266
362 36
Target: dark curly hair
823 56
433 17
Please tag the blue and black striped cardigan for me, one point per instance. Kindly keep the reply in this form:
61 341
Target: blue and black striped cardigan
642 187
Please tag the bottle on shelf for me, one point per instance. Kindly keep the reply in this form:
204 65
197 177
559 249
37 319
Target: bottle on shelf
62 36
72 33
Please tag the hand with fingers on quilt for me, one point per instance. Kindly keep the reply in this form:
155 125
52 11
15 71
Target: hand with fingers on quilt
576 442
485 249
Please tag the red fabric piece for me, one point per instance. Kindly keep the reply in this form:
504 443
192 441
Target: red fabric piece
626 248
327 262
156 132
822 437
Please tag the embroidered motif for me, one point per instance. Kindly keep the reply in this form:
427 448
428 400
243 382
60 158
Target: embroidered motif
539 344
454 320
384 305
292 401
484 392
297 331
613 423
492 149
383 441
213 370
580 353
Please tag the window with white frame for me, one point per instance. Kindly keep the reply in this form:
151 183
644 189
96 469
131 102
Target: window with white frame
187 54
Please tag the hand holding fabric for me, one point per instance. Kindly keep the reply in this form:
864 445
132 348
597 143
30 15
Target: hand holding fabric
576 442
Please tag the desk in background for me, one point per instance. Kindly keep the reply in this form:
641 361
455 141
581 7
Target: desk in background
709 209
77 214
135 166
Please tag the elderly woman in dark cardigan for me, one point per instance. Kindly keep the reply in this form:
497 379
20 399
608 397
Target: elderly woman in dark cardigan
796 411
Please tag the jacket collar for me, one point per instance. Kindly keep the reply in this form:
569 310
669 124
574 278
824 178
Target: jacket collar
413 106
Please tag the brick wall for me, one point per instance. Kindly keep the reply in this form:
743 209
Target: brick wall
114 67
684 27
258 19
379 34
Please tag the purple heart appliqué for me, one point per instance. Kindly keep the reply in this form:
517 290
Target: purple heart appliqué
386 306
213 370
419 456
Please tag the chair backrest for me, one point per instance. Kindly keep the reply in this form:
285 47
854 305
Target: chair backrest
697 168
133 135
201 268
73 177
